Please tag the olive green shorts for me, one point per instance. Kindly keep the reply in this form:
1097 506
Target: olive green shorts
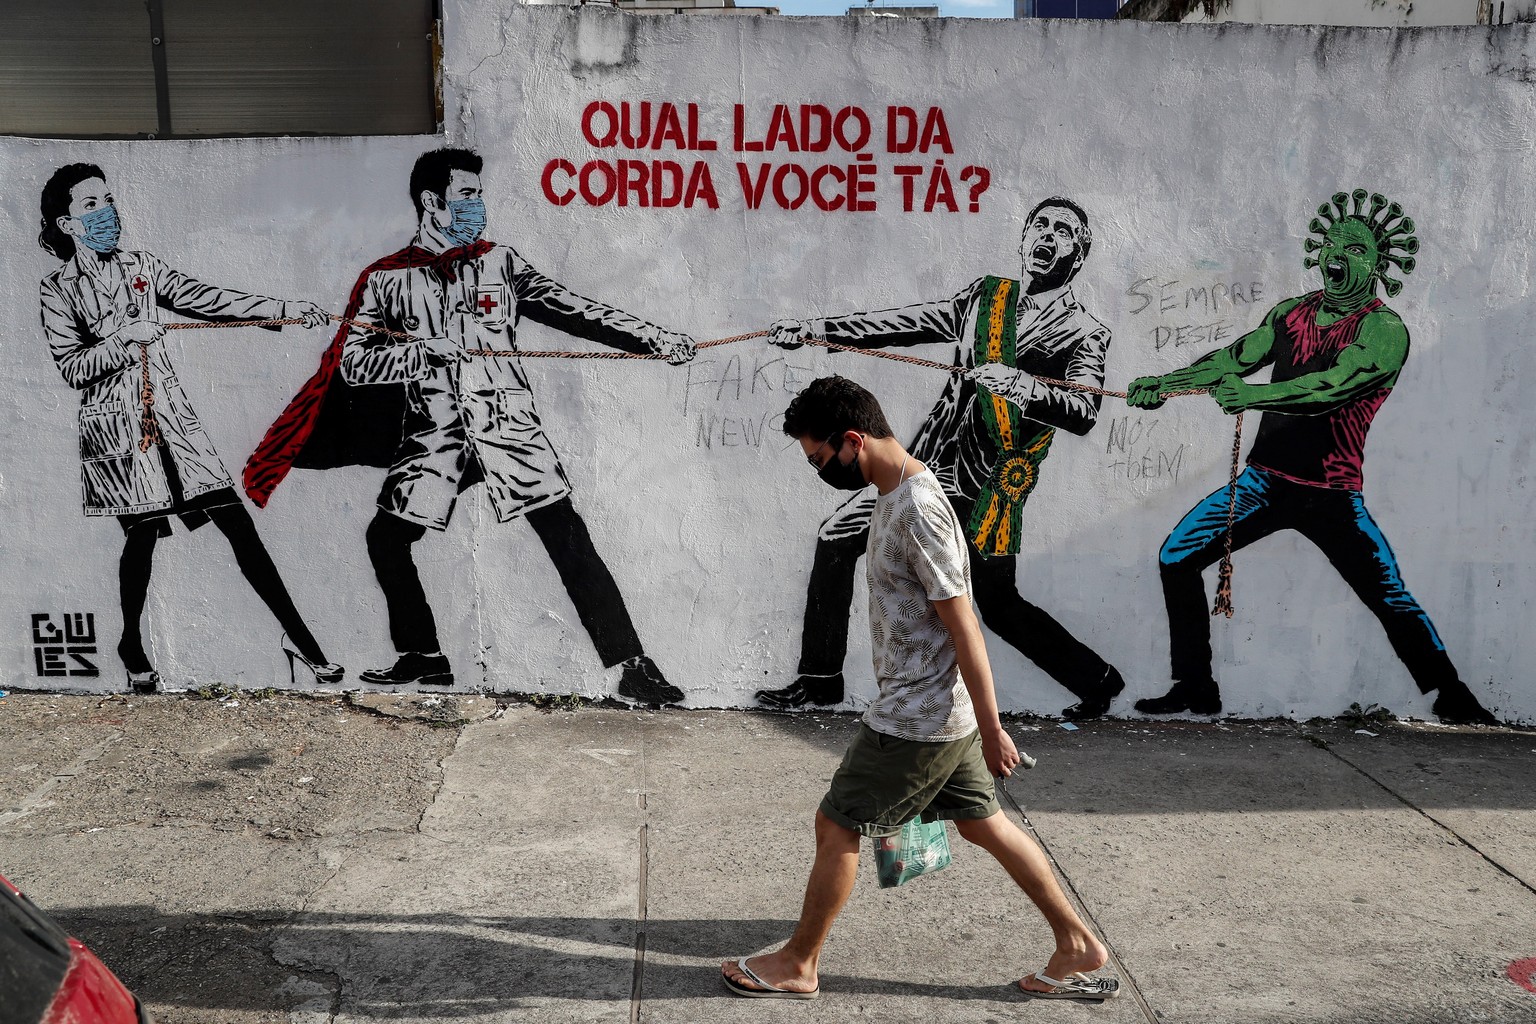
884 782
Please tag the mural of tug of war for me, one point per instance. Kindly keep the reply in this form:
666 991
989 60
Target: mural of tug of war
423 379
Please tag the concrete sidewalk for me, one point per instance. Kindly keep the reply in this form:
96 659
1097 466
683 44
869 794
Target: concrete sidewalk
307 860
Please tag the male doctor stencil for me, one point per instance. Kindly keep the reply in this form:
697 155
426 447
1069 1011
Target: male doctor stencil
467 419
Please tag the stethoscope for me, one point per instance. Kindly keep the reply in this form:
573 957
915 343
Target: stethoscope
411 322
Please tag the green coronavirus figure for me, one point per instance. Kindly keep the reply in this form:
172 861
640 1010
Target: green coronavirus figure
1334 355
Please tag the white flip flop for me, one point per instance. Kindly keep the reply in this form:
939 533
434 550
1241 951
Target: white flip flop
1076 986
767 991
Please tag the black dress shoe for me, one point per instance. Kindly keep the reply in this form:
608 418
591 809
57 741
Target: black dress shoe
643 683
1455 705
411 667
1097 705
144 682
1202 698
820 690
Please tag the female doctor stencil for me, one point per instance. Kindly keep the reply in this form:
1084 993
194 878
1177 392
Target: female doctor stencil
139 461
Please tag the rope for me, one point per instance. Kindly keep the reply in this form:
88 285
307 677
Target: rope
958 370
149 427
380 329
575 354
193 325
1223 604
151 430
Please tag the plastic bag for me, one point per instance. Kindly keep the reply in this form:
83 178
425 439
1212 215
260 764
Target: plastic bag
920 848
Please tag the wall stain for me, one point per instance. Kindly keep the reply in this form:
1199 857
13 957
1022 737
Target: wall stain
594 48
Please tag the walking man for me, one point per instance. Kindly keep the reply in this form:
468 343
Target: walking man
931 742
1336 354
985 441
467 419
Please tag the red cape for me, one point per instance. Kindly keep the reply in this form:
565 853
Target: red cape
333 423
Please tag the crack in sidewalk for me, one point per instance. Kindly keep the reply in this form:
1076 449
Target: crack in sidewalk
442 779
325 988
312 1011
38 798
1150 1015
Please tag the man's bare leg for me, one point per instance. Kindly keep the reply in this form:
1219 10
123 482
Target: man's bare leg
794 968
1076 947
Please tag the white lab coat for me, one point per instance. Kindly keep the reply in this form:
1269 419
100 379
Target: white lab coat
84 305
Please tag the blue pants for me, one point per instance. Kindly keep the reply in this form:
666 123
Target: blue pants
1341 527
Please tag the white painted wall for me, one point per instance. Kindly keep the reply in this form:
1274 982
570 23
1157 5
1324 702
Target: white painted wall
1200 157
1363 13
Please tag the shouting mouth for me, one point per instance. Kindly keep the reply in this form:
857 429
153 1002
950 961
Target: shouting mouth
1334 270
1042 254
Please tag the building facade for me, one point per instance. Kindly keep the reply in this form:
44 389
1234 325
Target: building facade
1065 8
1363 13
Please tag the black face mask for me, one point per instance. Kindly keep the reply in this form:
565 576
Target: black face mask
843 476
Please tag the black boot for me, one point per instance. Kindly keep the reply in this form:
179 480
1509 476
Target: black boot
1455 705
1201 698
807 689
1097 704
411 667
643 683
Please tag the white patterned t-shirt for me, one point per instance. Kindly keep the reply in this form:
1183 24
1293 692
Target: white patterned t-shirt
917 555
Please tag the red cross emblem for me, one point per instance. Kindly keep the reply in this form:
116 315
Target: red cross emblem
486 304
139 284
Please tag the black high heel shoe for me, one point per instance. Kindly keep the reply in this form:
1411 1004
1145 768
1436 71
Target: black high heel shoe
321 673
131 653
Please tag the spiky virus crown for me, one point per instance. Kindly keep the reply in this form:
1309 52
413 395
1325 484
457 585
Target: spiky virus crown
1394 232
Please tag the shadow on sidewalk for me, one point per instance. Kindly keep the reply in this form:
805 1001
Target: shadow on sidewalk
1122 766
452 966
441 965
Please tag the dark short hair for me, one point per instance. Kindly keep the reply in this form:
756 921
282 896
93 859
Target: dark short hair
57 195
1084 235
433 170
829 406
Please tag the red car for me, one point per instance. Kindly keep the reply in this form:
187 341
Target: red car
46 977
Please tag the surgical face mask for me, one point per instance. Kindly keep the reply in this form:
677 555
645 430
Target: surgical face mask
844 476
102 229
468 222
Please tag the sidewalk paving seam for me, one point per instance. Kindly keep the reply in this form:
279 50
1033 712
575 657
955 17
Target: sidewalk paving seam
1316 740
642 915
1151 1016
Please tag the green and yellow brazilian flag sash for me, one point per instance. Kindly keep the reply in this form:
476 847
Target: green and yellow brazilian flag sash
994 525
